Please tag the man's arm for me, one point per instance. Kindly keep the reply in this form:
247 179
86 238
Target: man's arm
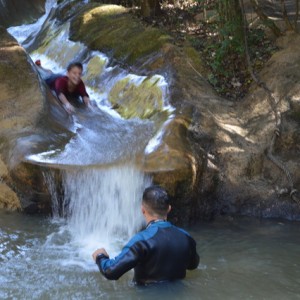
194 257
114 268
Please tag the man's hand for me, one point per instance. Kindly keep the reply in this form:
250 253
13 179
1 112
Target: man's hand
99 251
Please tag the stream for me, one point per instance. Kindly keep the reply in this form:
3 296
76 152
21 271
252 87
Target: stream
241 258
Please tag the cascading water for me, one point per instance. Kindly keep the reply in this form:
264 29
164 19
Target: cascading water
21 33
101 198
104 205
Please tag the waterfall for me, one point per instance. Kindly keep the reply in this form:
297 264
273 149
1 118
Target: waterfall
21 33
104 205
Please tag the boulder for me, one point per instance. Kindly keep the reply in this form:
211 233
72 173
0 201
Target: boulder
21 110
14 12
8 198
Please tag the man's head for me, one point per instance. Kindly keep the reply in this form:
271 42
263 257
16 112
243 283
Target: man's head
155 202
74 72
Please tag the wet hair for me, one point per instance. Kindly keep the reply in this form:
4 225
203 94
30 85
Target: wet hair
73 65
156 200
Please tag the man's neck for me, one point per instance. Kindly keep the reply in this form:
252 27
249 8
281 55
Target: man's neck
152 219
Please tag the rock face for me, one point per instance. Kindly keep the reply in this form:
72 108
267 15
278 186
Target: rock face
262 175
215 156
21 109
14 12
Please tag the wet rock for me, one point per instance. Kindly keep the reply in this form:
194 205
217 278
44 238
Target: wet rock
8 198
21 103
14 12
3 170
142 101
173 165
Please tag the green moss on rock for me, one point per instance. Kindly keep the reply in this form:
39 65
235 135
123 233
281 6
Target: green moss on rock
112 28
143 100
194 58
93 71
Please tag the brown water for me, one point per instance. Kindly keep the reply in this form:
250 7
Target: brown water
241 258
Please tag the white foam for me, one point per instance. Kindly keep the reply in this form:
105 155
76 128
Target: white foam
21 33
104 209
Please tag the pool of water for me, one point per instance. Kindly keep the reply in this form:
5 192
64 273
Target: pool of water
241 258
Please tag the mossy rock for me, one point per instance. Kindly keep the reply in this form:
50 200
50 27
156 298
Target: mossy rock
93 72
8 198
172 162
16 12
143 100
110 28
3 170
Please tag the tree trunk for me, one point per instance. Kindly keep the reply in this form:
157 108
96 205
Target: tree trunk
296 16
231 22
150 8
285 16
265 19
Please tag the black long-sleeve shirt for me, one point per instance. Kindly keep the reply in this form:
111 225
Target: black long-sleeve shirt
160 252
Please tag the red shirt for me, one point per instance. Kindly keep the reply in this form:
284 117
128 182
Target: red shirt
60 85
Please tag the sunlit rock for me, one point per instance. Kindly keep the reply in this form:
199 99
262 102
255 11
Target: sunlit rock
109 28
143 100
94 69
3 170
8 198
21 110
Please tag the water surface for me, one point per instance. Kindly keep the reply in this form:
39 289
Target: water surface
240 259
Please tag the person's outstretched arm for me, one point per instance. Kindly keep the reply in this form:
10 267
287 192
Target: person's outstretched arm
86 100
68 106
60 88
83 93
113 269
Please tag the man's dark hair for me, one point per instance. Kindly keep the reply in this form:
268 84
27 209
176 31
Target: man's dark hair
73 65
156 199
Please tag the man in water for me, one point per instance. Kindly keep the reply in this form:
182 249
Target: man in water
67 88
161 252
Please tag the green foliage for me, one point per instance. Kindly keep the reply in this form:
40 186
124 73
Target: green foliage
226 60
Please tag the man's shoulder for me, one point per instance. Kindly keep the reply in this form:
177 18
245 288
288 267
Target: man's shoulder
143 235
181 230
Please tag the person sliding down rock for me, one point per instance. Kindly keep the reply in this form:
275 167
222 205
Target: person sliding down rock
69 89
161 252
